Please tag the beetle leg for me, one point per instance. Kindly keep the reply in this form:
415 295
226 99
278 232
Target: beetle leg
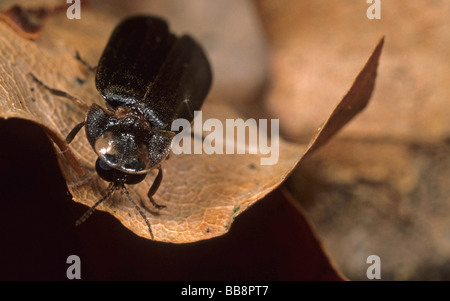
74 132
154 188
78 102
78 58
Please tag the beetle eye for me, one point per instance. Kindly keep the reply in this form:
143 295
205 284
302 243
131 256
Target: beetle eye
123 151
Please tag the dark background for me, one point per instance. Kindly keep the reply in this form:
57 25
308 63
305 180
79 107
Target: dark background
271 241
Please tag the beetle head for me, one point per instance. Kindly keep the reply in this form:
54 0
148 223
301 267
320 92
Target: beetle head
125 141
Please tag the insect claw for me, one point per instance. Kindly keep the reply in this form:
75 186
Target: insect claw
156 205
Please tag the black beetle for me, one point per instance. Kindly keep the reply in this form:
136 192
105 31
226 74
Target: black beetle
149 77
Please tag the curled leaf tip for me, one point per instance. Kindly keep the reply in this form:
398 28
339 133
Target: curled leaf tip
351 104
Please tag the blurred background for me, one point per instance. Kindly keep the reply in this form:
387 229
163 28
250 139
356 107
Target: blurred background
382 185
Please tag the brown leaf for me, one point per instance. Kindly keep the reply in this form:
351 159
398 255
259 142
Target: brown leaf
203 193
36 221
377 188
26 22
380 197
353 102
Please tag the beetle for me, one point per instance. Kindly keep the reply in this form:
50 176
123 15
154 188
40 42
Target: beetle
148 77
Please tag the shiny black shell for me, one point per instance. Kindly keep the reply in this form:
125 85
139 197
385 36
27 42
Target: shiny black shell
154 72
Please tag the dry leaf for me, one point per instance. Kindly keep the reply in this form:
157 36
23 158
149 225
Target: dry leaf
380 197
36 221
203 193
378 188
353 102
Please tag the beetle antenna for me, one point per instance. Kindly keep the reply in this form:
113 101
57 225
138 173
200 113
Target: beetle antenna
139 210
78 102
83 62
91 210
